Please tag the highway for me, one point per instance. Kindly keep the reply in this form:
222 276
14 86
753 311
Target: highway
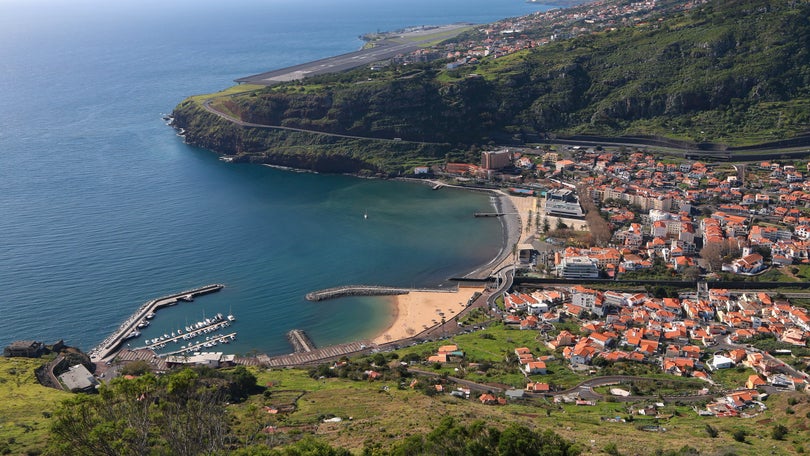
383 50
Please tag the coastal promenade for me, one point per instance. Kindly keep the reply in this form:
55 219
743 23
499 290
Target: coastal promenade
109 347
316 356
382 50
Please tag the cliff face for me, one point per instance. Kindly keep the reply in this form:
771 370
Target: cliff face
301 150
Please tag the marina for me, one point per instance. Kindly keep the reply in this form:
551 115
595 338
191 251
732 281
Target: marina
206 326
107 350
212 342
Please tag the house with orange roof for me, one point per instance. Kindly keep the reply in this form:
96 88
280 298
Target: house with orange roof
581 353
534 368
678 366
563 339
749 264
648 347
755 381
737 355
538 387
754 360
602 339
490 399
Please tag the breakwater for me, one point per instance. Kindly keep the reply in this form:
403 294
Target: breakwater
300 341
367 290
107 349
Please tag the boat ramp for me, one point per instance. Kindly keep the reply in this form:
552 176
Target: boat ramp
110 346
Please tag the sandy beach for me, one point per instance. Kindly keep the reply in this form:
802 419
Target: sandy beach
418 310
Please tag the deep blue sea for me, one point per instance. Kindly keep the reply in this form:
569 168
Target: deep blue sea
102 206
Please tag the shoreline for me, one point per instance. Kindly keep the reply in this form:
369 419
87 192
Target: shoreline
419 311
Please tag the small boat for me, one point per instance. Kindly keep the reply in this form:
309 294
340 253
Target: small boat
231 317
133 334
150 315
143 324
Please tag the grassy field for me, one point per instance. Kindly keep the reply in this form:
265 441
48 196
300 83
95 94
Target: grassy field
25 407
234 90
382 413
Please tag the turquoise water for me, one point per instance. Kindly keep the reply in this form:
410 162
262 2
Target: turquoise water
102 207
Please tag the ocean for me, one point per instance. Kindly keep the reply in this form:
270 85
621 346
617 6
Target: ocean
103 207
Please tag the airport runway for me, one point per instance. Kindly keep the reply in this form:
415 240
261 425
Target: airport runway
383 50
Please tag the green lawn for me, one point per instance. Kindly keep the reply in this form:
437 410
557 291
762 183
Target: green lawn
732 378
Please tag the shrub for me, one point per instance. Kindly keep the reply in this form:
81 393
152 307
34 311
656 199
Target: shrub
739 435
779 432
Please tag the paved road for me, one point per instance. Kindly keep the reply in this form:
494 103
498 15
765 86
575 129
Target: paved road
383 50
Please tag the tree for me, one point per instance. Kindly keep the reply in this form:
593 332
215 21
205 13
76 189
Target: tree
182 413
136 368
715 253
691 273
560 224
242 384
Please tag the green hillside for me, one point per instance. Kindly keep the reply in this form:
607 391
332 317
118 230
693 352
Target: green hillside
728 72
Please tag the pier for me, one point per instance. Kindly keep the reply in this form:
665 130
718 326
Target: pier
109 347
300 341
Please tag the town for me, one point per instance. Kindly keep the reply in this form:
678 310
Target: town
509 36
667 220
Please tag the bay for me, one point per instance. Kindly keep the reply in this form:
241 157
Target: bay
102 207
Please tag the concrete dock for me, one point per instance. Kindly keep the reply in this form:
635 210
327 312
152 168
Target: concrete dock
107 349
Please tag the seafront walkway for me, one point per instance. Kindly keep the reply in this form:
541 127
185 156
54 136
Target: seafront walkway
316 356
107 349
